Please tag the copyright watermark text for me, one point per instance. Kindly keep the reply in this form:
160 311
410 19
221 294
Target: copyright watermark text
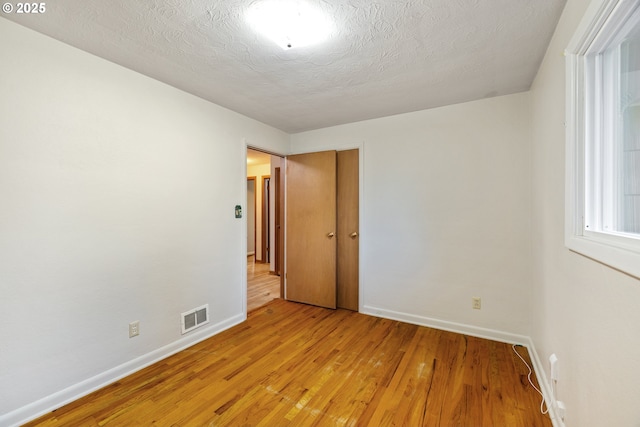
31 8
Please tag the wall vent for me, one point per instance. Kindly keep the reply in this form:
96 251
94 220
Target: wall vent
195 318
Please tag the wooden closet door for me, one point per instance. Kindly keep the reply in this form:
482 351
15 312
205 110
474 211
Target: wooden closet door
311 228
348 229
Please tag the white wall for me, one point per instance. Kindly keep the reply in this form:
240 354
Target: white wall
446 212
117 198
583 311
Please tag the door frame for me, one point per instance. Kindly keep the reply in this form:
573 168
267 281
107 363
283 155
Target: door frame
243 231
278 248
246 145
266 220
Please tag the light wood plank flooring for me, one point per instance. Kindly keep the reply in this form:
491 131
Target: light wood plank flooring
262 287
297 365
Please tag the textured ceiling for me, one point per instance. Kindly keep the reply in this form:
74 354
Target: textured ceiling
387 56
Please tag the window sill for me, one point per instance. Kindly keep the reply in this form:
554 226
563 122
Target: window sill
620 258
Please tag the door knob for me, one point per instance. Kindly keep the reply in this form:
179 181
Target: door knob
330 235
353 235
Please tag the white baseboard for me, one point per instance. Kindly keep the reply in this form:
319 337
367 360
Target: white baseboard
479 332
538 368
47 404
445 325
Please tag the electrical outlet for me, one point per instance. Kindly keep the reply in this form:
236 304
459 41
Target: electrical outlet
562 410
134 329
553 366
476 303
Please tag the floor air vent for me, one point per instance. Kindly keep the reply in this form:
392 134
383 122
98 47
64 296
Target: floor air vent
195 318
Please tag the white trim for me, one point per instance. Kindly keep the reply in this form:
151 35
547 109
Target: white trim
594 18
283 178
574 166
545 386
475 331
329 147
361 227
56 400
589 39
243 229
598 249
445 325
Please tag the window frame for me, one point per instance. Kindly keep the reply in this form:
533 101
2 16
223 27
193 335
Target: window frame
600 27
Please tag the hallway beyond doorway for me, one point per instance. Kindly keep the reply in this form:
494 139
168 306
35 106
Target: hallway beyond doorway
262 287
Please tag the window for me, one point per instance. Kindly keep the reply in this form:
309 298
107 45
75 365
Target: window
603 135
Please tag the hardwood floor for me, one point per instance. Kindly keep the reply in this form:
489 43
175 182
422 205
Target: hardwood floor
291 364
262 287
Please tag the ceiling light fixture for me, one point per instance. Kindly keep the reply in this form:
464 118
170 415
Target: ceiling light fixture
290 23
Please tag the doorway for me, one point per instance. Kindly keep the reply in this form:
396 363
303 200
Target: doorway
263 271
251 215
